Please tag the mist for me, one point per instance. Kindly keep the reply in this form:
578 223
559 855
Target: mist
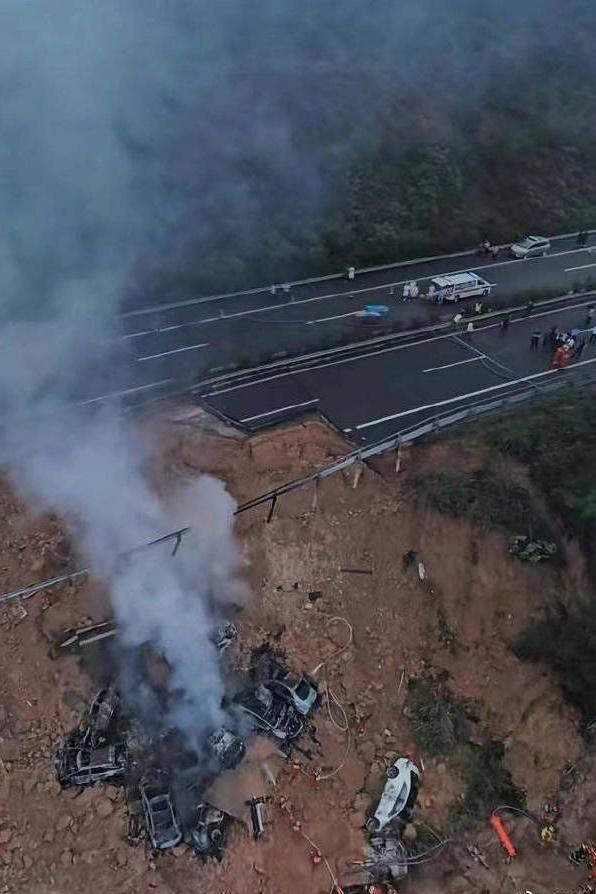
157 146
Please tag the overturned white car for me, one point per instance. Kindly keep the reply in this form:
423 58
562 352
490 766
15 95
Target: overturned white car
399 795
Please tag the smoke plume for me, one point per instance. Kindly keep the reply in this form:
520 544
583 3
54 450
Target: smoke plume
164 144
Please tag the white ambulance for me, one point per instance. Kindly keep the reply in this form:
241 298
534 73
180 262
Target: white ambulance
457 286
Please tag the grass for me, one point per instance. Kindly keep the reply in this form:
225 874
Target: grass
442 726
482 497
556 440
566 645
487 784
438 720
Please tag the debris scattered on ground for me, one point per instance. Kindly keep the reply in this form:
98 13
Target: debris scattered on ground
533 551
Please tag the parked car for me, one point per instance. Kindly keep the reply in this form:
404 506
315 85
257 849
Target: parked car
530 247
208 836
271 714
399 795
80 766
227 747
161 821
298 691
456 287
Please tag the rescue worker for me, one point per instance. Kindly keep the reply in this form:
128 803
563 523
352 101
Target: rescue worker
582 239
478 307
505 325
589 315
350 272
534 340
457 320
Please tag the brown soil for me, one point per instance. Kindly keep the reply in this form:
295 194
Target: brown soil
331 553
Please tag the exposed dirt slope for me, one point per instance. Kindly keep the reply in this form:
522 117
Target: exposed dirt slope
336 554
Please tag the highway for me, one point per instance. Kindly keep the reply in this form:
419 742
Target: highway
379 391
182 341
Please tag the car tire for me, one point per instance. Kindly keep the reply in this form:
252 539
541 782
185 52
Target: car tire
372 825
485 293
392 772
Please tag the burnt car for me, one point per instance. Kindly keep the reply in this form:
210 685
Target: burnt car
224 635
271 714
79 765
161 821
297 691
101 719
208 838
227 747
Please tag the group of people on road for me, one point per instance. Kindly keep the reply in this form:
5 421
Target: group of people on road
564 345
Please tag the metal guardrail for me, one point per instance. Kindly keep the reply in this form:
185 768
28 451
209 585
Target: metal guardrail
407 435
206 299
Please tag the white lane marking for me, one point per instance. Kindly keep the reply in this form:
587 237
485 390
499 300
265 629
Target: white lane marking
321 365
94 400
352 292
353 313
175 351
452 400
306 403
583 267
457 363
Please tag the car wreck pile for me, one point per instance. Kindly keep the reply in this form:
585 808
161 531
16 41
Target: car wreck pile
164 778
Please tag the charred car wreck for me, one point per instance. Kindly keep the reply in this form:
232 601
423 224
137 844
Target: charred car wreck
114 745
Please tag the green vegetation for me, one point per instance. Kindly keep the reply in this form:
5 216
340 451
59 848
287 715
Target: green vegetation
483 497
566 645
557 442
442 727
438 720
487 784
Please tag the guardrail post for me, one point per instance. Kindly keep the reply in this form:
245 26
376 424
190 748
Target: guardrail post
272 508
315 496
398 458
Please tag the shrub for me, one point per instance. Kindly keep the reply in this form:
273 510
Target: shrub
487 783
567 646
439 723
483 498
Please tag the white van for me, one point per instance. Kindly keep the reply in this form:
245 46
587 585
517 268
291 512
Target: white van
456 286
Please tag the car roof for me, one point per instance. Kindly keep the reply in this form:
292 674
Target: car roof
535 239
456 279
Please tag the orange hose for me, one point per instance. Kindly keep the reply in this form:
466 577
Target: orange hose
503 835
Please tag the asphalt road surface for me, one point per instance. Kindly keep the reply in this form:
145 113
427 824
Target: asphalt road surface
381 391
184 340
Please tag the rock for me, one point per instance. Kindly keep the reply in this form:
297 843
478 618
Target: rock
441 768
66 858
5 835
111 792
409 833
63 822
104 807
179 850
28 861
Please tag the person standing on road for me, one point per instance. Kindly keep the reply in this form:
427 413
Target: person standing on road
406 292
470 327
593 335
529 307
589 315
582 239
579 346
457 320
534 340
478 307
547 340
505 325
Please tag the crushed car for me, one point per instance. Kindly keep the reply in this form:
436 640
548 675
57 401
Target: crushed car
398 797
208 838
227 747
78 765
297 691
102 717
271 715
161 821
